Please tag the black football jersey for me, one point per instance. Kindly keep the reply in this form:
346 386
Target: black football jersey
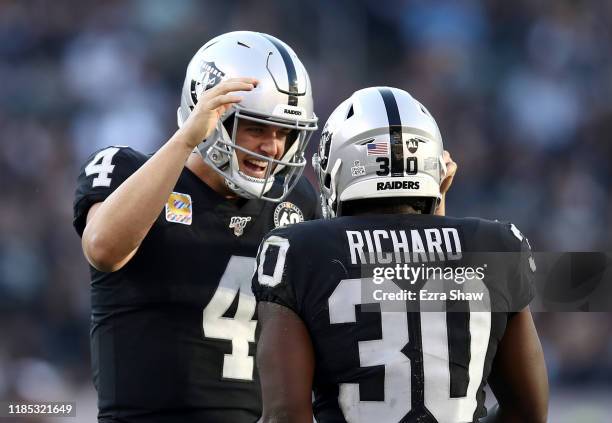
419 357
173 331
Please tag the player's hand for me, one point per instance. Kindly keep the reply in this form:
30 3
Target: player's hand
211 106
451 170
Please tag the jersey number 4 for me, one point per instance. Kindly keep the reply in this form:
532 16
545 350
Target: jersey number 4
422 385
102 166
240 329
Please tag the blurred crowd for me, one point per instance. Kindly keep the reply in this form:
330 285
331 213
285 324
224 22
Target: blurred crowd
520 90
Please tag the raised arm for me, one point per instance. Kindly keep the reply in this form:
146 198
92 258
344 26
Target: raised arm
518 377
285 359
113 231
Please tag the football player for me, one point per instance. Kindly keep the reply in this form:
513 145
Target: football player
172 237
382 349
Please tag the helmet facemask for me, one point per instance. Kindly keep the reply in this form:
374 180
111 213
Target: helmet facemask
219 151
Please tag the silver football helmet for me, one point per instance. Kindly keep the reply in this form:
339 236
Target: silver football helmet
379 143
283 98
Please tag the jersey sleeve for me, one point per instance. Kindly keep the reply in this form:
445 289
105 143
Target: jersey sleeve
276 271
521 285
101 174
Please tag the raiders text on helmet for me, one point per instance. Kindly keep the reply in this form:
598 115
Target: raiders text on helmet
379 143
283 97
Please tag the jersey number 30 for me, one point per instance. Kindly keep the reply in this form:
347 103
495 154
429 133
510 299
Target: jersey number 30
436 392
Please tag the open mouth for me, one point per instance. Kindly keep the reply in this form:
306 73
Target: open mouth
255 167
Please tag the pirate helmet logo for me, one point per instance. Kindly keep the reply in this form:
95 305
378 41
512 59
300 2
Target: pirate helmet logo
210 75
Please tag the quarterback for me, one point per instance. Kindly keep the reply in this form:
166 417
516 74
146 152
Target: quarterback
172 237
380 166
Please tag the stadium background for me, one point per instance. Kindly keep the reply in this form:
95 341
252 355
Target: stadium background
521 91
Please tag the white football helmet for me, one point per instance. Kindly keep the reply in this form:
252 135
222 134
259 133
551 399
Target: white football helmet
283 98
379 143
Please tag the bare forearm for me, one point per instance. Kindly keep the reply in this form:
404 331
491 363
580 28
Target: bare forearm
122 221
518 377
119 224
285 359
287 416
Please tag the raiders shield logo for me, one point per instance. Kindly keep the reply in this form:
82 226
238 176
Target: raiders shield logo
210 75
238 224
324 147
287 213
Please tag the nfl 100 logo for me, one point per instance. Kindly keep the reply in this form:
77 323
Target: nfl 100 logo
238 223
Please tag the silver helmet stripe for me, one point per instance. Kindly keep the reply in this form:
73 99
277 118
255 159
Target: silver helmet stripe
396 143
291 72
